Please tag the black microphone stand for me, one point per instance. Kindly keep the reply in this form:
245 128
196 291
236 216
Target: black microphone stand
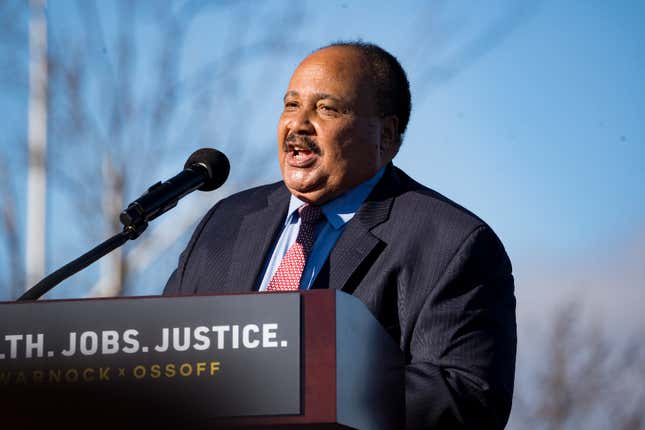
129 232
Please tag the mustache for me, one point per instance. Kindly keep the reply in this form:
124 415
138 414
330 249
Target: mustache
304 141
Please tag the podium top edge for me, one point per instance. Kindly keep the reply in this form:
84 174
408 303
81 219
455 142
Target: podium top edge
321 292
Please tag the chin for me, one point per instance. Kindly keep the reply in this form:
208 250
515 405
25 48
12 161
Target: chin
298 183
308 195
302 191
314 190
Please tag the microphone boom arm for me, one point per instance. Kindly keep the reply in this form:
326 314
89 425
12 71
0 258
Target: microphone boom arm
50 281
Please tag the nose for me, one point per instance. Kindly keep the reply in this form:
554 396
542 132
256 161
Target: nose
300 123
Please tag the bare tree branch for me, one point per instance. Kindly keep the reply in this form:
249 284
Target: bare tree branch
110 103
586 380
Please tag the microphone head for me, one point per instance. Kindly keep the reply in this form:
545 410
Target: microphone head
212 161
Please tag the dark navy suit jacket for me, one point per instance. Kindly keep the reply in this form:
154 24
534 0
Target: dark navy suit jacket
436 276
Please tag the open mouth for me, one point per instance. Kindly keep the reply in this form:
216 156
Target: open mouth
300 157
301 151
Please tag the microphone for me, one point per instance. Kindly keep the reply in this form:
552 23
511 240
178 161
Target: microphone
205 170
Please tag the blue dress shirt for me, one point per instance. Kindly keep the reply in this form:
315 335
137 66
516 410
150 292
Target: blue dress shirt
337 213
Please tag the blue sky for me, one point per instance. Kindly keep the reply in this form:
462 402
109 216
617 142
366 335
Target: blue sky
529 115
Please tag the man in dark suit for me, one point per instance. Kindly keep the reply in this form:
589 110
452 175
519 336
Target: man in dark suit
435 275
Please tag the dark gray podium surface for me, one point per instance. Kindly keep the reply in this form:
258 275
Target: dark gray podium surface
315 359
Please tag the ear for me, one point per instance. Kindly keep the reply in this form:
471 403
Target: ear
390 137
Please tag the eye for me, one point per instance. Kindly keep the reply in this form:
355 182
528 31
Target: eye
327 108
290 105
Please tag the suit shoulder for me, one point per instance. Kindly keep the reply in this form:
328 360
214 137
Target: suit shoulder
430 206
422 209
431 220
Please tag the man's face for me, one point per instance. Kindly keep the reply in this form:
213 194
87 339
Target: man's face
330 136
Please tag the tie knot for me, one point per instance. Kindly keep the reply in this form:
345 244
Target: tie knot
310 214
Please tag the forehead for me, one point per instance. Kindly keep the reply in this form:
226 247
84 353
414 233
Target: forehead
338 71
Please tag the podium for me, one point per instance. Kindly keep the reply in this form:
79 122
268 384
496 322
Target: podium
314 359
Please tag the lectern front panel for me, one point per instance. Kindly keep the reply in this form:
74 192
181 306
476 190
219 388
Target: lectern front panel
231 355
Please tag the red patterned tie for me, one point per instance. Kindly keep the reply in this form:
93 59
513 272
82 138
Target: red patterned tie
287 275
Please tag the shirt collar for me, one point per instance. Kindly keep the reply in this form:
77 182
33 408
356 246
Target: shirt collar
343 208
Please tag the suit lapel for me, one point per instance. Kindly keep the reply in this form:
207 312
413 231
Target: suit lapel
358 241
257 232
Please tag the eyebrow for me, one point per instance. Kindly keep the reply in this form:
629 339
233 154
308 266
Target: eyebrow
318 96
